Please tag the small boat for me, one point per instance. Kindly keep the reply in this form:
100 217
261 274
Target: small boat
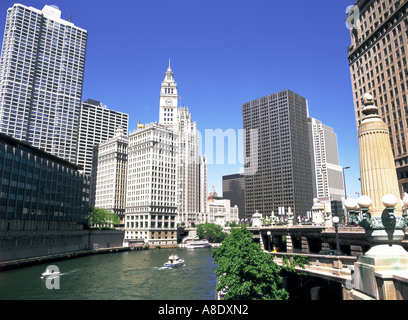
50 272
174 261
196 244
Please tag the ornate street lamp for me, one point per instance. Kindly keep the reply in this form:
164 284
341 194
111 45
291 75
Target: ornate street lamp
386 228
336 220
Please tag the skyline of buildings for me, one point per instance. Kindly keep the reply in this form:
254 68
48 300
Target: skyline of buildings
170 117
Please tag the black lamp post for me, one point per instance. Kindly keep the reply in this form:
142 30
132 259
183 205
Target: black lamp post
335 220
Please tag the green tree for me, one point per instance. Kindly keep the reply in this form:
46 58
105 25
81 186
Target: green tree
102 218
245 271
210 231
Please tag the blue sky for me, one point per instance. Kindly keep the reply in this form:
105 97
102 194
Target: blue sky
223 53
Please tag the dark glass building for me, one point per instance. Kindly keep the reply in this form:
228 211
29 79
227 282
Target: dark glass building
233 188
39 191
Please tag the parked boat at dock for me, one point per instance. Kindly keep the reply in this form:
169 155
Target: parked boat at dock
197 244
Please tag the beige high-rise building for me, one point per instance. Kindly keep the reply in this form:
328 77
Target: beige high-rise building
378 65
109 173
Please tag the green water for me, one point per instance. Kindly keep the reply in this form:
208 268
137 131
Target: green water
131 275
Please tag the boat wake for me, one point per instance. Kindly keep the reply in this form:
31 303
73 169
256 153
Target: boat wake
167 268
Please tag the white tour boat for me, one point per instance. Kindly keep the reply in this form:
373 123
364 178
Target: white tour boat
196 244
174 261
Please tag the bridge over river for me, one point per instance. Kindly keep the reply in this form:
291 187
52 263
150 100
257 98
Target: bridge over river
330 274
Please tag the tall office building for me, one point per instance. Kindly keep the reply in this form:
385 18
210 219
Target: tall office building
109 174
188 190
190 165
41 76
326 172
203 185
233 188
378 65
283 175
97 124
151 200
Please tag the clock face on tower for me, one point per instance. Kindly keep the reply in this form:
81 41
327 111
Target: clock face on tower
169 102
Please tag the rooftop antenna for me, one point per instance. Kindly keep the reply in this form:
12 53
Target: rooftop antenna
70 17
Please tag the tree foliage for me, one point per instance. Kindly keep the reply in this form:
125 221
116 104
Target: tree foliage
102 218
210 231
246 272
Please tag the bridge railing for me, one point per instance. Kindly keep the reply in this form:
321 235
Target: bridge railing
326 266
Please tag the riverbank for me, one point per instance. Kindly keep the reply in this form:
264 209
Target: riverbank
14 264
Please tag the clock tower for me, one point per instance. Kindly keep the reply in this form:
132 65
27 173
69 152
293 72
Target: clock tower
168 99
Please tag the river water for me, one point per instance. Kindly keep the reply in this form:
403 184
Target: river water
130 275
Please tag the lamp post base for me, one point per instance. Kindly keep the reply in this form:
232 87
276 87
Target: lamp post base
373 271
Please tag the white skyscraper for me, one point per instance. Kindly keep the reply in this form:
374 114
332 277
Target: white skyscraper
165 173
203 186
109 174
188 168
41 76
97 124
326 171
151 206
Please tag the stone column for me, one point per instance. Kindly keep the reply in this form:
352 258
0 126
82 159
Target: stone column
377 166
384 230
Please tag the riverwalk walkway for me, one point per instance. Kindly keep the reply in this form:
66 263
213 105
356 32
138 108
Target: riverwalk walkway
12 264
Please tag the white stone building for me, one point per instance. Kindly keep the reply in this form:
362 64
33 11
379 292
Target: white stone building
151 203
166 174
219 210
188 191
109 174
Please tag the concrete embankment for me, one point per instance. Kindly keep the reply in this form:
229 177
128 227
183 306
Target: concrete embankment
13 264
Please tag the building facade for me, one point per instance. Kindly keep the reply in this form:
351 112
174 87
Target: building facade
283 175
326 171
188 191
97 124
378 65
151 200
109 174
220 210
233 188
34 188
41 77
203 184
